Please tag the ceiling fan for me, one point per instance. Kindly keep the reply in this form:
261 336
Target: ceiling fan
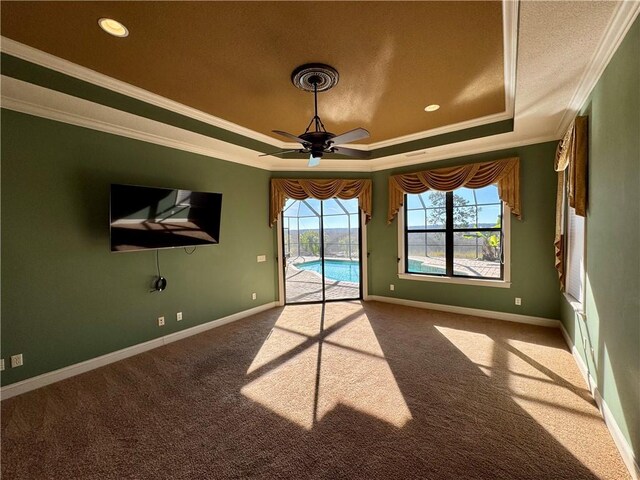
317 77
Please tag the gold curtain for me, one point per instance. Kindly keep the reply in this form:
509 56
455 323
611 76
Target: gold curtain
571 156
506 173
282 188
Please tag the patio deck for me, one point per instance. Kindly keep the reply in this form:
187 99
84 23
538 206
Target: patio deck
306 286
464 266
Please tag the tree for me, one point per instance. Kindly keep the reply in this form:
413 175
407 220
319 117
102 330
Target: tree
310 240
462 213
491 245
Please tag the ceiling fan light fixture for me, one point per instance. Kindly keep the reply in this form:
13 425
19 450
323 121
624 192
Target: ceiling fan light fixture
314 161
113 27
318 77
431 108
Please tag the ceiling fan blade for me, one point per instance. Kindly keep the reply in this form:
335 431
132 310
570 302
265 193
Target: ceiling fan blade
350 136
279 152
351 152
313 161
290 136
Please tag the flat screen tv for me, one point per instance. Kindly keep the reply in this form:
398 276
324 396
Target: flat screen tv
144 218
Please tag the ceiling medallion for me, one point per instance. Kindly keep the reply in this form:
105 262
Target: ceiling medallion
310 76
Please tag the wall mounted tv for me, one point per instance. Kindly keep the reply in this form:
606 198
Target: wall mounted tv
144 218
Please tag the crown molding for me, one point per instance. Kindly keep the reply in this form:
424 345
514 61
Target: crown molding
510 23
38 57
454 127
32 99
620 23
42 102
510 40
455 150
510 9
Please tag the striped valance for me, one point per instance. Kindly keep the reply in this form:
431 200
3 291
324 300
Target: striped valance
505 173
571 165
282 188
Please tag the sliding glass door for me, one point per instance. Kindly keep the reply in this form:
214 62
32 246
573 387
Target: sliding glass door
321 240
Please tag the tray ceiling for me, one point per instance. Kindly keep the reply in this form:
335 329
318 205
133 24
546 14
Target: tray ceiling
233 60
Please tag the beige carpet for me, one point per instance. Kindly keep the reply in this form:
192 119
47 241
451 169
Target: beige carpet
346 390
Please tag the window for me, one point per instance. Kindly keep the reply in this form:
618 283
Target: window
455 236
575 256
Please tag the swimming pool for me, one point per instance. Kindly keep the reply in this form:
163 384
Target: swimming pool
344 271
416 266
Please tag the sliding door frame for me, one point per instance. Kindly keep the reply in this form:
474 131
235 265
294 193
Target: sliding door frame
364 256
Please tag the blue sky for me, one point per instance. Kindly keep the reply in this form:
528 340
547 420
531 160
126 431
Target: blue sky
487 214
329 207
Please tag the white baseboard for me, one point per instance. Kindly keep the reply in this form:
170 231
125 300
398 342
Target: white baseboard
48 378
621 442
509 317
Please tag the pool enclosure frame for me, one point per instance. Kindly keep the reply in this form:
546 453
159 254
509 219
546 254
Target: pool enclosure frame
283 254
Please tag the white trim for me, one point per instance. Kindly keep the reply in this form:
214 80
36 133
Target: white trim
474 146
476 312
38 57
616 31
622 19
364 255
281 260
578 307
454 127
48 378
480 282
401 246
32 99
510 56
510 21
626 452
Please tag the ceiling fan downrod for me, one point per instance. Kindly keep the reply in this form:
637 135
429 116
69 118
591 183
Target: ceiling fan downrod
316 121
318 77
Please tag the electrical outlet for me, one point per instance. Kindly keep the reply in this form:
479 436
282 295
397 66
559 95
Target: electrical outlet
262 258
16 360
161 321
1 364
179 316
254 296
518 301
392 287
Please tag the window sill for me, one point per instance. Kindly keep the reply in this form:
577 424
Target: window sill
456 280
578 307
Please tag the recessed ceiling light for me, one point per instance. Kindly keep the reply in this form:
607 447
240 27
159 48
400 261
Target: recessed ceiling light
431 108
113 27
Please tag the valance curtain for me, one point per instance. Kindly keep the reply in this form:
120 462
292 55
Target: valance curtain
506 173
282 188
571 157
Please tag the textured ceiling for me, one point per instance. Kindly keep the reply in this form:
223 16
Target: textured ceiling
234 59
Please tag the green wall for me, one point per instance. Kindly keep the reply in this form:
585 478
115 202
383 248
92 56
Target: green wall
532 273
65 297
612 326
